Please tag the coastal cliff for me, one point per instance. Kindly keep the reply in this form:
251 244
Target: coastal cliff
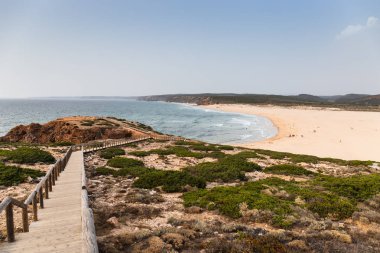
349 102
75 130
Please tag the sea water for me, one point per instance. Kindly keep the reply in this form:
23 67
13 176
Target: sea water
170 118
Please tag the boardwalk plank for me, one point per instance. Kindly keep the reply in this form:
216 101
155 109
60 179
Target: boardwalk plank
59 227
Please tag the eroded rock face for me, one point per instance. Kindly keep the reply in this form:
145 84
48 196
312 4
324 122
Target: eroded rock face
75 130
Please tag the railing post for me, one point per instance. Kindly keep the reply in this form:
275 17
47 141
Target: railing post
35 216
55 173
60 166
50 183
47 188
52 177
10 223
25 222
41 197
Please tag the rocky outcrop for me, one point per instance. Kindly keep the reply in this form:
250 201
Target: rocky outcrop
74 129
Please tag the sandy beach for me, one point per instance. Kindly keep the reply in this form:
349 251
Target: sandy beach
351 135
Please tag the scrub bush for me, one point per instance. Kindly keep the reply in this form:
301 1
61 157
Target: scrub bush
111 152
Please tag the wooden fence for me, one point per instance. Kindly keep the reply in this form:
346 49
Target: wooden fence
36 197
90 244
98 145
46 184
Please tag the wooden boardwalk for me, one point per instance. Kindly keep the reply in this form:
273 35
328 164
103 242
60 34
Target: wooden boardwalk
64 221
59 225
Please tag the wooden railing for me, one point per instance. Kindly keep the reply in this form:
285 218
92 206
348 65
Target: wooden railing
89 244
46 184
35 198
94 146
168 138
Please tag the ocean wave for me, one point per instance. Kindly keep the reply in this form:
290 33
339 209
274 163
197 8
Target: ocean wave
241 122
245 136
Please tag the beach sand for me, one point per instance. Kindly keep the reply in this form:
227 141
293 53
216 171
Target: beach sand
350 135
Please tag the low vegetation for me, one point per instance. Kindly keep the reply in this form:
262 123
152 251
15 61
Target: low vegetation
201 146
181 151
227 169
27 155
170 181
178 151
128 171
274 195
297 158
328 209
12 175
356 188
111 152
87 122
122 162
62 144
288 169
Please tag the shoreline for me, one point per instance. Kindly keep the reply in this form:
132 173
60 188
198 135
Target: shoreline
323 132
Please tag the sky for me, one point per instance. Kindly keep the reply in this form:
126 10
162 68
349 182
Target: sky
146 47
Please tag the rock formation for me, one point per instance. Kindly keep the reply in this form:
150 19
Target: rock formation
75 130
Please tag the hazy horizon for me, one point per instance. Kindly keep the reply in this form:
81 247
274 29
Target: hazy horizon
137 48
137 96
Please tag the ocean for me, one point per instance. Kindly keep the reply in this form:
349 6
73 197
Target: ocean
170 118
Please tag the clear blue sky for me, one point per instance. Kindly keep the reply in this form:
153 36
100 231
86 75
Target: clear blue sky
78 47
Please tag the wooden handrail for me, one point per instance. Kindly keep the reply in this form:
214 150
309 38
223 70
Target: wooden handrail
35 196
89 244
90 147
42 189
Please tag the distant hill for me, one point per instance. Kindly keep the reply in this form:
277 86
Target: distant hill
352 101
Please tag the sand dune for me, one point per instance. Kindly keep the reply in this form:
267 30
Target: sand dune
321 132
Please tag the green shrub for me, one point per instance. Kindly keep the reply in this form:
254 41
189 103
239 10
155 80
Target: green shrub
105 171
61 144
185 143
357 188
327 204
204 147
288 169
134 171
171 181
143 126
161 152
215 172
227 200
118 119
321 202
225 147
122 162
28 155
139 153
12 175
246 154
178 151
297 158
227 169
215 154
239 162
4 153
184 152
111 152
130 171
87 123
